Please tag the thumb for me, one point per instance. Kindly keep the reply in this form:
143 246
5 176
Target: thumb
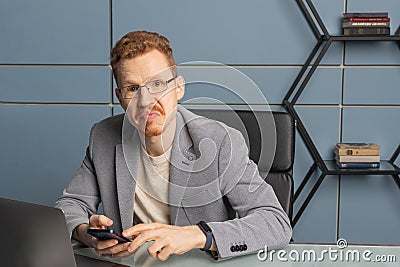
99 221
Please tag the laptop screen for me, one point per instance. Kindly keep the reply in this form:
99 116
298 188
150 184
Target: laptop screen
36 236
33 235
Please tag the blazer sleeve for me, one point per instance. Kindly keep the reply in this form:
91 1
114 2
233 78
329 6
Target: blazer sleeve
261 222
80 199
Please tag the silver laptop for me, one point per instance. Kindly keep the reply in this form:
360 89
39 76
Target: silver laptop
36 236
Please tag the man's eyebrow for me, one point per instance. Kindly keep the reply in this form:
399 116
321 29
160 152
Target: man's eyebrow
130 82
155 77
151 78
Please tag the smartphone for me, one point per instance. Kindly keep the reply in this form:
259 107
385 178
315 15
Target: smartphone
106 234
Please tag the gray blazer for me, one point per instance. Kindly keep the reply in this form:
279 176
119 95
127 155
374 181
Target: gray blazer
210 174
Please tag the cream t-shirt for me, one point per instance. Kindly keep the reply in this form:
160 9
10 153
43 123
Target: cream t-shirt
152 187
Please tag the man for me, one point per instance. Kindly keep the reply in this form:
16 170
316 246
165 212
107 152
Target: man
164 174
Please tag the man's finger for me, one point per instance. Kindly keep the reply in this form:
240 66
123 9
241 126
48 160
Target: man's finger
156 247
149 235
105 244
121 254
135 230
164 254
99 221
113 250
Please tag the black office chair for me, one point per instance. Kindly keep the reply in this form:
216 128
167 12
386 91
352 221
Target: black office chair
279 174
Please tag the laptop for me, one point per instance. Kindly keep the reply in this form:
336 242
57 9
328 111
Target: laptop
32 235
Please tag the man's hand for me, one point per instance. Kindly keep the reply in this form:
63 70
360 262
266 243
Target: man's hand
106 247
168 239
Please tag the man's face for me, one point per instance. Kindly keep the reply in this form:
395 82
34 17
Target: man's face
149 113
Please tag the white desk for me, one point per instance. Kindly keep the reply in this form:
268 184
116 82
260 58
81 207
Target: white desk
292 255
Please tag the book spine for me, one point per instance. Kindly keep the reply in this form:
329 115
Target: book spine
357 146
366 20
357 152
365 24
353 165
366 15
366 31
359 159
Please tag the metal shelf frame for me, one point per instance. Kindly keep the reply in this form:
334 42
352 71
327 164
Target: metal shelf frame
324 41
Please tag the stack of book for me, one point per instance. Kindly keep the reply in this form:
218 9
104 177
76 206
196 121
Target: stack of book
357 155
377 23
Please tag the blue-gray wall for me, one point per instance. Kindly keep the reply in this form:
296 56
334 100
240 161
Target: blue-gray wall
55 82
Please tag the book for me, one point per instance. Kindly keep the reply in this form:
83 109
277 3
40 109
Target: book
366 15
366 20
365 24
356 152
365 31
356 165
364 159
357 146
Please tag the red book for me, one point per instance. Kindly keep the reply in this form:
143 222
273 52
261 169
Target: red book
366 15
366 20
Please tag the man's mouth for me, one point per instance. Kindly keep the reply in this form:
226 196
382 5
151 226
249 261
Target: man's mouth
150 115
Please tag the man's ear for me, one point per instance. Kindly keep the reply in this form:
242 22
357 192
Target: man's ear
120 99
180 87
118 94
117 91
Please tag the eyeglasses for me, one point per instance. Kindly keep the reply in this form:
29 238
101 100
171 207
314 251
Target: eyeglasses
153 87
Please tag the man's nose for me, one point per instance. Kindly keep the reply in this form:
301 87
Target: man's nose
145 97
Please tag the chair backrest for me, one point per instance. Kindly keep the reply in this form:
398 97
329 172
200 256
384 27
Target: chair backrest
279 125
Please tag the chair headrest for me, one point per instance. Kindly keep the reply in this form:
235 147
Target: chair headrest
275 125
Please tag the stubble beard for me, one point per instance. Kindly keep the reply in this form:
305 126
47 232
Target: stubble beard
153 128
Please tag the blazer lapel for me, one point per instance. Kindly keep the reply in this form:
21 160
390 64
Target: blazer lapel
126 163
190 160
181 166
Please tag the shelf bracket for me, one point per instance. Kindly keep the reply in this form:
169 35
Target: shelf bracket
302 79
308 199
395 155
398 33
311 19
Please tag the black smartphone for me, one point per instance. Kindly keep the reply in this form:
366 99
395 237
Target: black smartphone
106 234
